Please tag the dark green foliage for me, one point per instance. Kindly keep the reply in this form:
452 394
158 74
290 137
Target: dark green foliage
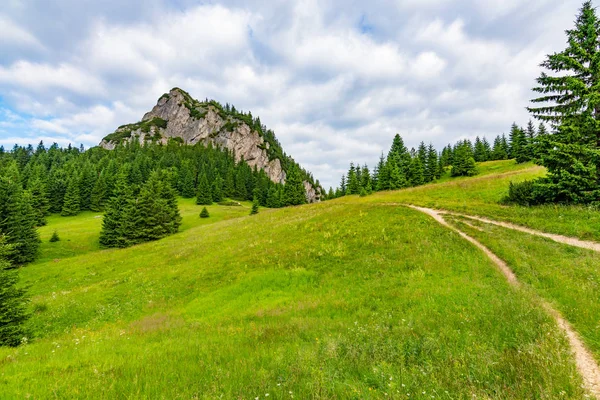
17 217
519 149
217 188
569 100
39 204
54 238
363 192
117 209
254 209
204 195
464 163
523 193
187 181
72 200
99 194
294 192
13 301
204 213
150 215
274 198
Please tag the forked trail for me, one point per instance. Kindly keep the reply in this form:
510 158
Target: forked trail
586 364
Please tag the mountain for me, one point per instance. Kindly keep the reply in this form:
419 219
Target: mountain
177 116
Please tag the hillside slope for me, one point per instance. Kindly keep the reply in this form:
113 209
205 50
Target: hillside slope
354 298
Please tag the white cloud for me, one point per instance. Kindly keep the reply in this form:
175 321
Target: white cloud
335 80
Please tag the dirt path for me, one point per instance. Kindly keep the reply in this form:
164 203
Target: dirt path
557 238
586 364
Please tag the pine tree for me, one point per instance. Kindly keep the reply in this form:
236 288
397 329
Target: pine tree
17 217
54 238
518 144
416 172
156 213
464 163
87 181
204 195
217 189
273 198
530 139
39 197
186 182
99 194
569 100
294 192
254 209
72 199
353 181
480 150
117 208
13 301
204 213
431 170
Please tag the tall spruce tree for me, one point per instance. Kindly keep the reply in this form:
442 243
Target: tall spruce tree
39 198
464 163
116 210
294 192
13 314
71 205
569 100
17 217
204 195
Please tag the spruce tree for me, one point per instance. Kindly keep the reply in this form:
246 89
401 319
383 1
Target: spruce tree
13 301
464 163
99 194
116 210
72 199
40 204
294 192
254 209
204 195
569 101
431 170
217 189
186 182
204 213
17 217
273 198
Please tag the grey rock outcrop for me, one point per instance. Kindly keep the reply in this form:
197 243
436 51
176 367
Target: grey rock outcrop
182 118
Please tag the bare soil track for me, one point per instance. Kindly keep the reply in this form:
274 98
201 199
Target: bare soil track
586 364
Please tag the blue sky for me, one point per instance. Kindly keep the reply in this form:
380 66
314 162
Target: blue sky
334 79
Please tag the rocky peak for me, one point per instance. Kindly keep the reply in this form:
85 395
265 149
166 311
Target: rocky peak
177 116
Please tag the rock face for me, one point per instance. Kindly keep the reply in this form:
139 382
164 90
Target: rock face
178 116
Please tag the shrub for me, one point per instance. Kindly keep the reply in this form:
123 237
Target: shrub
55 237
204 213
523 193
363 192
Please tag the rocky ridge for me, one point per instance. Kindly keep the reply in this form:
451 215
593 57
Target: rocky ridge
177 116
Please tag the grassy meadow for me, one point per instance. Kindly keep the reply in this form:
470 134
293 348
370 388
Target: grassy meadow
348 299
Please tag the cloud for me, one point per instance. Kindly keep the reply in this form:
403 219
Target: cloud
335 80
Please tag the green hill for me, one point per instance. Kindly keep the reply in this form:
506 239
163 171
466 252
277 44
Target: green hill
351 298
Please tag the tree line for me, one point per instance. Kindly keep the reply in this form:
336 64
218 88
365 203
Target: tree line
402 168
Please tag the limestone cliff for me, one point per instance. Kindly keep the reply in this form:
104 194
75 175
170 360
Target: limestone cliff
177 116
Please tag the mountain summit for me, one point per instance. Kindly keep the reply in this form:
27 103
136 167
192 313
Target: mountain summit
177 116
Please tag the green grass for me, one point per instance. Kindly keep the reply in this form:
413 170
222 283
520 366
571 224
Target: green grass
481 196
566 276
80 234
321 301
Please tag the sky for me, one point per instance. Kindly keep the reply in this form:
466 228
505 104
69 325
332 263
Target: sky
335 80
